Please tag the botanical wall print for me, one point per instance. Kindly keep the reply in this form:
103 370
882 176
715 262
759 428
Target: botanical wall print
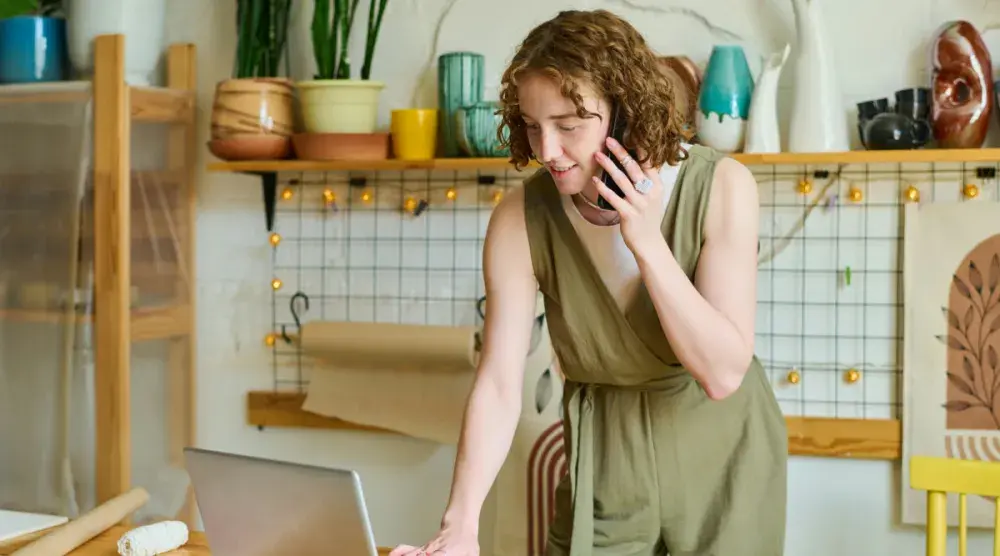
973 343
951 377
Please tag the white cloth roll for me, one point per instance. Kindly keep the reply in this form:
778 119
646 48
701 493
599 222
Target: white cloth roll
150 540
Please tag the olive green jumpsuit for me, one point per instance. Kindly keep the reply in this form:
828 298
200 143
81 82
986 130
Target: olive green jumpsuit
655 466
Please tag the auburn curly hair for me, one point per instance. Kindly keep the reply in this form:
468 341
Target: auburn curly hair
607 53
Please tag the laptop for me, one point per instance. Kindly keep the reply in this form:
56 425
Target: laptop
259 507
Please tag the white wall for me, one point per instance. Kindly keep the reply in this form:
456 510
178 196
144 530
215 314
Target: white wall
836 507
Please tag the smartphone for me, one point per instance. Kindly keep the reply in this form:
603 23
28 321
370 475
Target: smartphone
617 132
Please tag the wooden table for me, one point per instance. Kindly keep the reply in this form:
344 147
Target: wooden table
106 544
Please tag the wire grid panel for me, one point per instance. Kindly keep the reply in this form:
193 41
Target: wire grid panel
407 247
401 246
830 293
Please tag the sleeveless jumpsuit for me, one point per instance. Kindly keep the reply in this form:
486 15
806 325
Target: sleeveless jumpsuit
656 467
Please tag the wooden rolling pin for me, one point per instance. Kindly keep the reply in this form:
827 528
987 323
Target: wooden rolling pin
70 536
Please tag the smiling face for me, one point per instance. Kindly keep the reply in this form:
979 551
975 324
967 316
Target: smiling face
560 139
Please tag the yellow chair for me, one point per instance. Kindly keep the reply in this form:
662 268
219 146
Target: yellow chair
940 476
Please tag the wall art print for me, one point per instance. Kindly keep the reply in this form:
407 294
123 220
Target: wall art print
951 377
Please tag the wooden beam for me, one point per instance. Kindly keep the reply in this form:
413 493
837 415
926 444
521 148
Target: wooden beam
112 260
182 78
163 105
879 439
986 156
845 438
268 409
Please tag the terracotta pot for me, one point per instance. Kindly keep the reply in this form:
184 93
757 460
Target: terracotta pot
342 146
254 106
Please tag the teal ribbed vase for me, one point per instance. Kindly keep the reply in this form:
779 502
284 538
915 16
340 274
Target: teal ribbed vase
460 83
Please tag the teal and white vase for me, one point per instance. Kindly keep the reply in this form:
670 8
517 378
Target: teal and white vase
724 100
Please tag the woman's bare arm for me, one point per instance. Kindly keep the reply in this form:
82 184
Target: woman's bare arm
710 323
494 404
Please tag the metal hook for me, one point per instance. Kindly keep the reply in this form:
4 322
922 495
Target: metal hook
481 307
295 314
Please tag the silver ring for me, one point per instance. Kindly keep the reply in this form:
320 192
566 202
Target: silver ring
626 160
644 186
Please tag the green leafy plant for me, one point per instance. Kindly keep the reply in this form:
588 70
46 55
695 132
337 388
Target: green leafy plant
331 32
262 37
44 8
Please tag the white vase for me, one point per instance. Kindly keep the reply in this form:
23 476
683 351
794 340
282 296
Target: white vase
818 117
140 21
763 135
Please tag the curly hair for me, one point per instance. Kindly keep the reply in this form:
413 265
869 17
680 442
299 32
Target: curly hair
607 53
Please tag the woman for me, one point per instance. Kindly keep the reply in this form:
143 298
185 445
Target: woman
675 441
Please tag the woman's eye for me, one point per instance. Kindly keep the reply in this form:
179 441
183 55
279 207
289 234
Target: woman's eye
567 127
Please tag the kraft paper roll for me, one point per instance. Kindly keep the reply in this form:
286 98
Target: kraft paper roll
414 390
399 347
413 379
75 533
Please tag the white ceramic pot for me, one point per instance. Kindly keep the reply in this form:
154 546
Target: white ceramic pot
339 105
141 21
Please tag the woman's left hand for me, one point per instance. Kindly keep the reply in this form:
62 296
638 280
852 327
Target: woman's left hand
640 209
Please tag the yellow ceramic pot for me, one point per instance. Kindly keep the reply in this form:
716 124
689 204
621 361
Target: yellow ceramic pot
414 133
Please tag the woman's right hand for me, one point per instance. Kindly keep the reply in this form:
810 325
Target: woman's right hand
447 542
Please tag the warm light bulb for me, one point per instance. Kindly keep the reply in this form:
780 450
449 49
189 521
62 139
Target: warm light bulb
805 187
912 194
269 340
971 191
276 284
329 197
497 196
855 195
410 204
793 377
852 375
451 194
275 239
366 197
286 193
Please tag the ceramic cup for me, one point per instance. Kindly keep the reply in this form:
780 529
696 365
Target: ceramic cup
414 133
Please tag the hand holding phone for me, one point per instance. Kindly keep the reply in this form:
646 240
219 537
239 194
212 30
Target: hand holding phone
617 132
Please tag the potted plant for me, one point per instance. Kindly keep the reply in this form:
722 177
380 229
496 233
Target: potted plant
334 102
253 111
32 41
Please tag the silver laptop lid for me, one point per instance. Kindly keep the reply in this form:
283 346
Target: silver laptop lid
259 507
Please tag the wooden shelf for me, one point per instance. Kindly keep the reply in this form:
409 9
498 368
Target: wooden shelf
268 170
262 166
146 104
879 439
474 164
153 323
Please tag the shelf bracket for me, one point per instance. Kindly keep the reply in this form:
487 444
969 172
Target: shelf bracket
269 186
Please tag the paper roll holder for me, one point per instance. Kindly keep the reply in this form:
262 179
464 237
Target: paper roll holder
295 316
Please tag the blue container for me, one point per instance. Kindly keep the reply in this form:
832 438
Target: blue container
32 49
460 83
727 86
